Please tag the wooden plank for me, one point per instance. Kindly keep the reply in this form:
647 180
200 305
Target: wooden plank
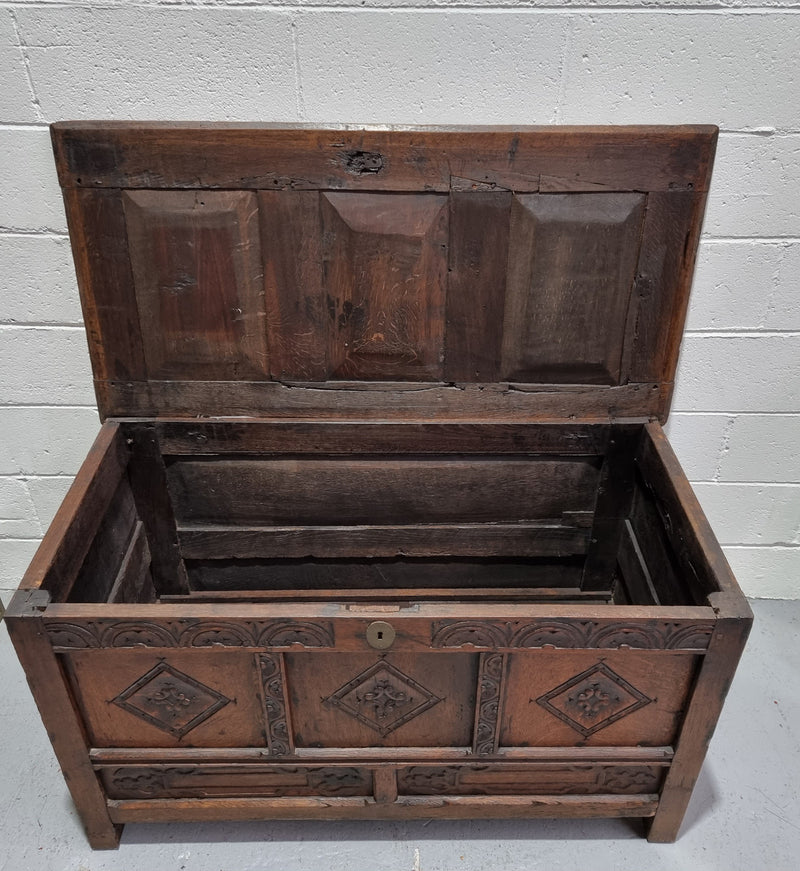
180 155
313 437
517 594
108 549
407 807
635 573
513 539
476 285
63 722
149 484
134 582
385 780
379 491
705 707
66 543
96 220
614 498
669 583
382 574
572 261
411 401
693 541
655 325
298 315
388 755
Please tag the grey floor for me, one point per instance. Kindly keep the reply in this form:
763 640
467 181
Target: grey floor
744 813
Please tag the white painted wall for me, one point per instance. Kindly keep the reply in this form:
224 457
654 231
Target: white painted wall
736 419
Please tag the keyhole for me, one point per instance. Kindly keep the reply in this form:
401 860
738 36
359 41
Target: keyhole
380 634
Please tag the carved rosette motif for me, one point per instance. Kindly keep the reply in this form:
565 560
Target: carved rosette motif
275 707
383 698
490 694
188 633
572 634
593 699
170 700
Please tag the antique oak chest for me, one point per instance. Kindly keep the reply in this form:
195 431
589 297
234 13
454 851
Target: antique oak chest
381 522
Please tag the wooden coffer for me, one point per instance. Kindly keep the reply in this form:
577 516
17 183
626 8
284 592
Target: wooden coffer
381 522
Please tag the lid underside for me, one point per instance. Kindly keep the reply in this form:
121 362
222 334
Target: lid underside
449 274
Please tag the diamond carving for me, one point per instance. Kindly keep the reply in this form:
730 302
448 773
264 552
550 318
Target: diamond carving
170 700
593 699
383 698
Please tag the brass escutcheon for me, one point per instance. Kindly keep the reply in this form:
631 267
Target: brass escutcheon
380 634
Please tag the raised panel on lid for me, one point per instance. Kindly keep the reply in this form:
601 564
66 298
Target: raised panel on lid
355 285
198 282
572 263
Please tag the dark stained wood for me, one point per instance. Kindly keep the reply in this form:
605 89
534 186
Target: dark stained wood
519 594
148 482
479 227
133 582
417 402
387 574
613 505
379 491
174 155
647 527
693 541
313 437
572 260
108 549
635 574
96 220
298 315
655 324
198 282
553 257
384 265
441 540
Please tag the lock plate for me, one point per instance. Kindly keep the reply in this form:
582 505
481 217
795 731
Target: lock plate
380 634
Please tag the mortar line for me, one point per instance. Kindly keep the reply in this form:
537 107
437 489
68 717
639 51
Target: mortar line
23 50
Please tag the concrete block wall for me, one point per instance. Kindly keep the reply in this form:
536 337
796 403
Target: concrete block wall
736 418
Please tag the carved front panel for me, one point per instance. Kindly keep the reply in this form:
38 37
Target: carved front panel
400 700
532 779
198 282
192 698
620 698
229 781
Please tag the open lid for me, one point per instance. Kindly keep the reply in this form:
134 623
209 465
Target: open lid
537 273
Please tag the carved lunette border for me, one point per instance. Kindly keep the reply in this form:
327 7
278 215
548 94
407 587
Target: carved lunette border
188 633
572 634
